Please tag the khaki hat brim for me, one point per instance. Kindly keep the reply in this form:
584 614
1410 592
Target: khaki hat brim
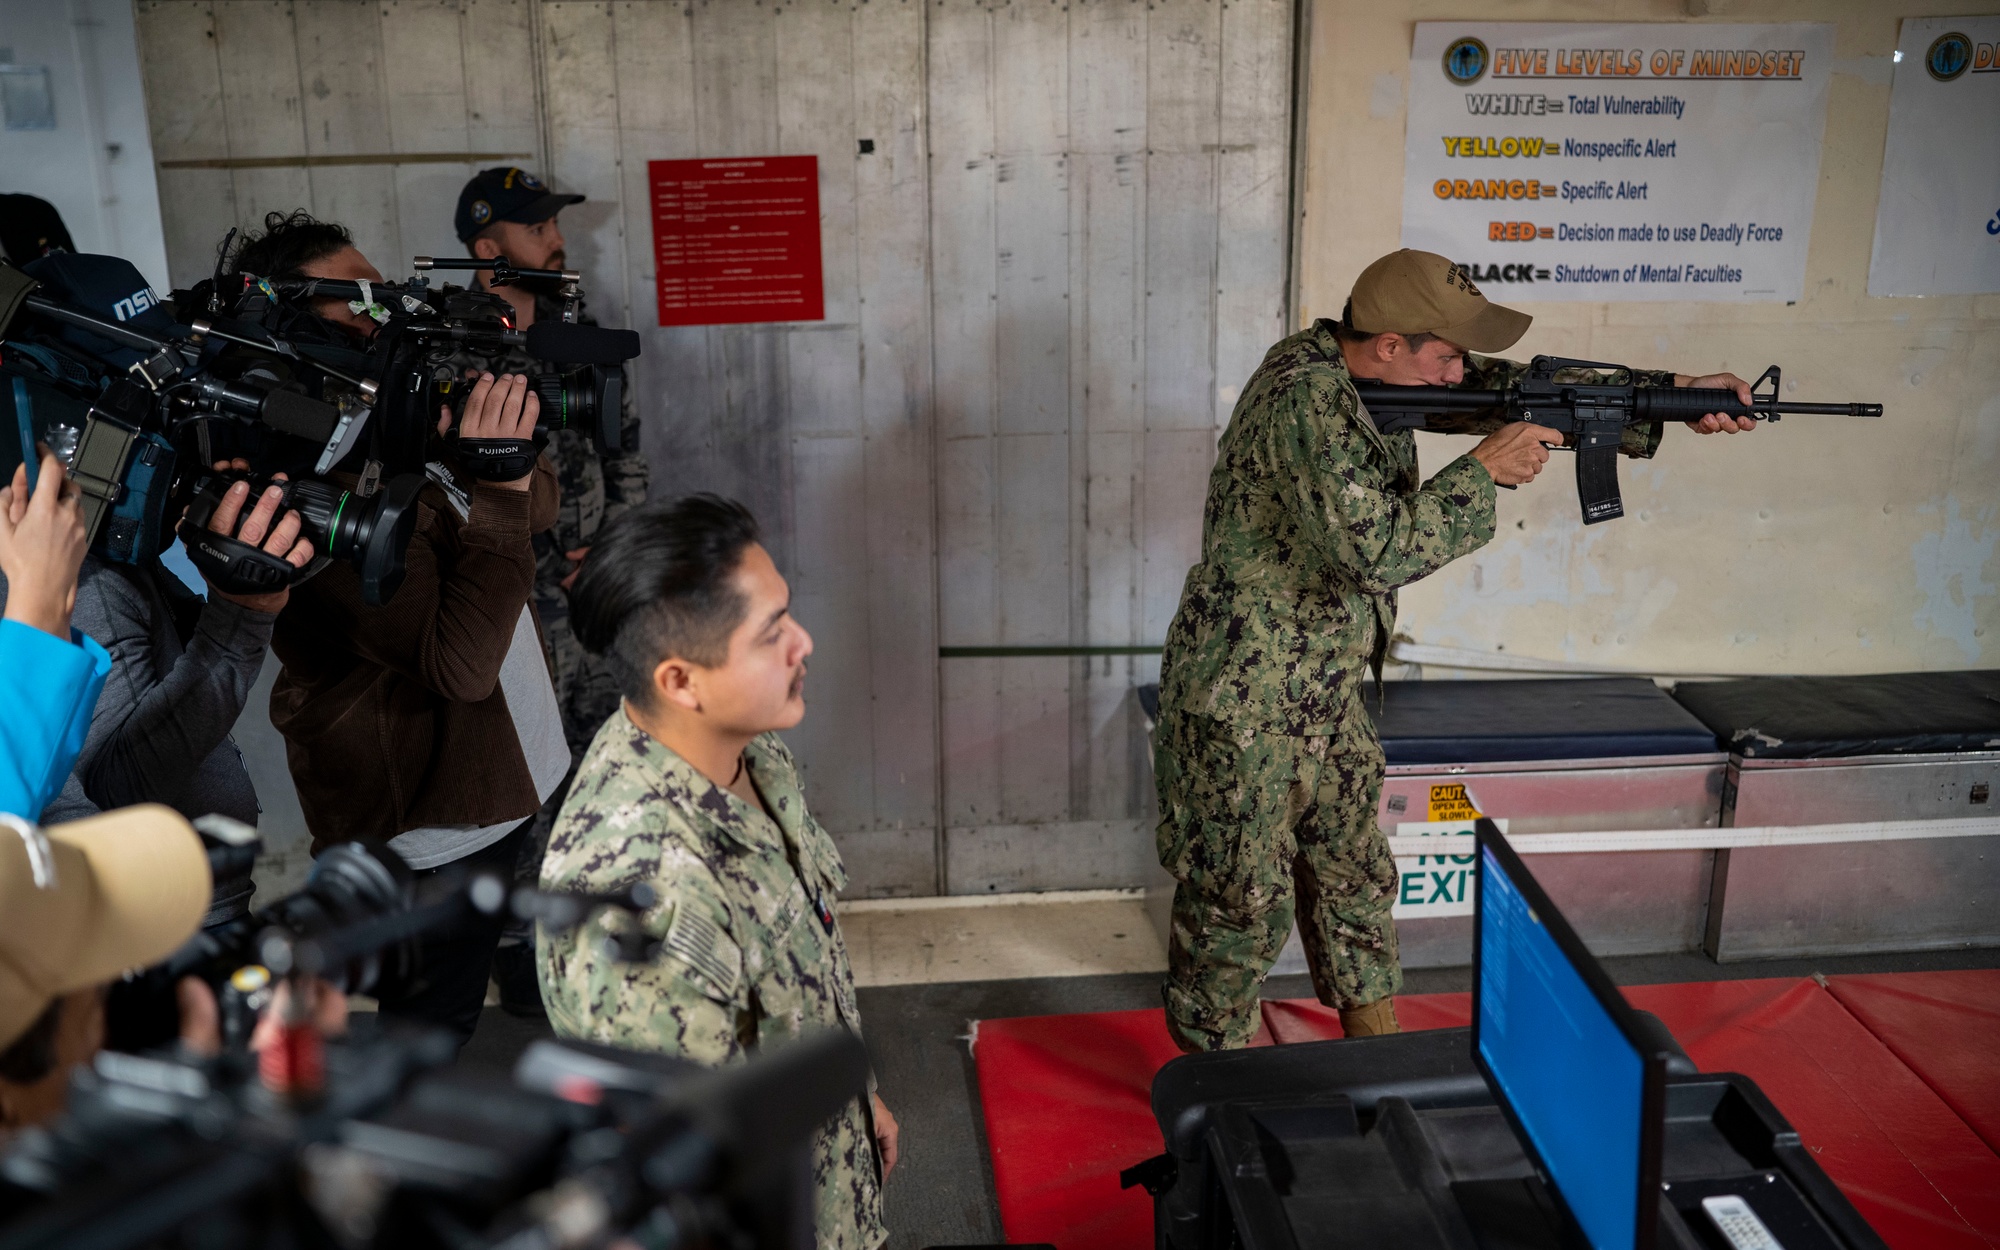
153 887
131 886
1492 329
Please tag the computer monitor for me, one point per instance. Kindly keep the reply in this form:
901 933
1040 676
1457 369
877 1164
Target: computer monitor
1565 1056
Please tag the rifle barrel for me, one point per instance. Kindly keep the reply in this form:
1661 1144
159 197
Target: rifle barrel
1824 410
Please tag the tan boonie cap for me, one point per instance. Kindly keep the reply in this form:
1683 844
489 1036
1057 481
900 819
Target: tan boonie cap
82 902
1411 292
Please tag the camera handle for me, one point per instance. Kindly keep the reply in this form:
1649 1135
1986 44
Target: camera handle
229 564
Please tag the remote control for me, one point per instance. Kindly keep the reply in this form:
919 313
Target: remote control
1738 1224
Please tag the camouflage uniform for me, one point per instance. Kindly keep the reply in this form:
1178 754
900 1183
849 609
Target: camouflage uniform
751 953
596 489
1268 766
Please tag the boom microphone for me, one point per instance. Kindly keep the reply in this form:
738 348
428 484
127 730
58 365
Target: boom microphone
563 343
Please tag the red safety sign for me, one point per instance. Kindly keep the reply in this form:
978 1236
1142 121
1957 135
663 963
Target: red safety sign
737 240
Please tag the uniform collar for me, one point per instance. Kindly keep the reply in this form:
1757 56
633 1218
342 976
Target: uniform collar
1327 334
683 785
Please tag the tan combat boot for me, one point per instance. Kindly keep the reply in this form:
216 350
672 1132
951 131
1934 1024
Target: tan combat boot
1376 1018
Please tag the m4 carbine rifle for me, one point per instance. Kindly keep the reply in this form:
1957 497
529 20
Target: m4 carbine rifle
1592 415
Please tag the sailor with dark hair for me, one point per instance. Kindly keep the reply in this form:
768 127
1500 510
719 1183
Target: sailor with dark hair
689 789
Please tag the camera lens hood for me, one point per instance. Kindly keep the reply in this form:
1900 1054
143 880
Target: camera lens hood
564 343
392 519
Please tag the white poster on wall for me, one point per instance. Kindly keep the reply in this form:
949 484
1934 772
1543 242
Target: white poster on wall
1627 161
1937 225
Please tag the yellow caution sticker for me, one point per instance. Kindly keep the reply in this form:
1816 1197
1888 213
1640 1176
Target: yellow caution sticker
1451 802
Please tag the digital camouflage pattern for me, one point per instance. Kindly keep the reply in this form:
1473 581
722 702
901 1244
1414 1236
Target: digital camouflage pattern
1313 520
1262 828
596 489
751 954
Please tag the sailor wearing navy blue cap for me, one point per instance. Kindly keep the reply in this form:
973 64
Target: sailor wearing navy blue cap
507 195
510 212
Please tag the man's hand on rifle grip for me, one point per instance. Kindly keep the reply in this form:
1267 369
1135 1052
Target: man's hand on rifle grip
1720 422
1515 453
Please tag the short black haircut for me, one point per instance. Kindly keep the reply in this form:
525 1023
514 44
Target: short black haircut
1351 335
658 584
290 242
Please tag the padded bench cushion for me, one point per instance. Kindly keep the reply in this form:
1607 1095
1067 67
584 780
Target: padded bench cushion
1482 722
1824 717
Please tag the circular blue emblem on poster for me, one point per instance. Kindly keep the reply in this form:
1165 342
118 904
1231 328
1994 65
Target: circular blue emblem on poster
1949 56
1465 60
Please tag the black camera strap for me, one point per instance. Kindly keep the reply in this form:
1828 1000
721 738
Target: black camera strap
497 459
98 468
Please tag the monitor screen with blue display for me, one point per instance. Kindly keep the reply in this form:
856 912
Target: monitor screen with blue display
1559 1056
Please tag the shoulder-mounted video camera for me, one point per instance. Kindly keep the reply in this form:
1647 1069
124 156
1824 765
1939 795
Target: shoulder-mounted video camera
137 405
140 405
420 331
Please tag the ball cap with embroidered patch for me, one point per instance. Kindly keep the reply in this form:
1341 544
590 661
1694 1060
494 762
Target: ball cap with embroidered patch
82 902
1412 292
506 193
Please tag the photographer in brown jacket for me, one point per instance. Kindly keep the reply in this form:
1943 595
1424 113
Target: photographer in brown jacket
430 722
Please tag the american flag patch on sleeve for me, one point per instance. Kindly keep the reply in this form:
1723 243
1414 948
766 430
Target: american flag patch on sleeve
696 940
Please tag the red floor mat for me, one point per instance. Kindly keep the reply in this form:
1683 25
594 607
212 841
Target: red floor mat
1067 1101
1066 1105
1945 1026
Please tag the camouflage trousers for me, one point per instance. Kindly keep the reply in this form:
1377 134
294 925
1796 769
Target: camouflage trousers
1258 828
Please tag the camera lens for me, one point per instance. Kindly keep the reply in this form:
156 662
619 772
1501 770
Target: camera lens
328 513
373 532
349 884
569 401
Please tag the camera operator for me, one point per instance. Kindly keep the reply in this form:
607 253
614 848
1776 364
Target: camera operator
181 672
508 212
299 245
79 904
53 674
691 791
429 722
182 668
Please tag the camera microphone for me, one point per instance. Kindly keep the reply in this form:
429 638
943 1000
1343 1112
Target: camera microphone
564 343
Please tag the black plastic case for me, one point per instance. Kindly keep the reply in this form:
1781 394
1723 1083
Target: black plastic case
1397 1142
